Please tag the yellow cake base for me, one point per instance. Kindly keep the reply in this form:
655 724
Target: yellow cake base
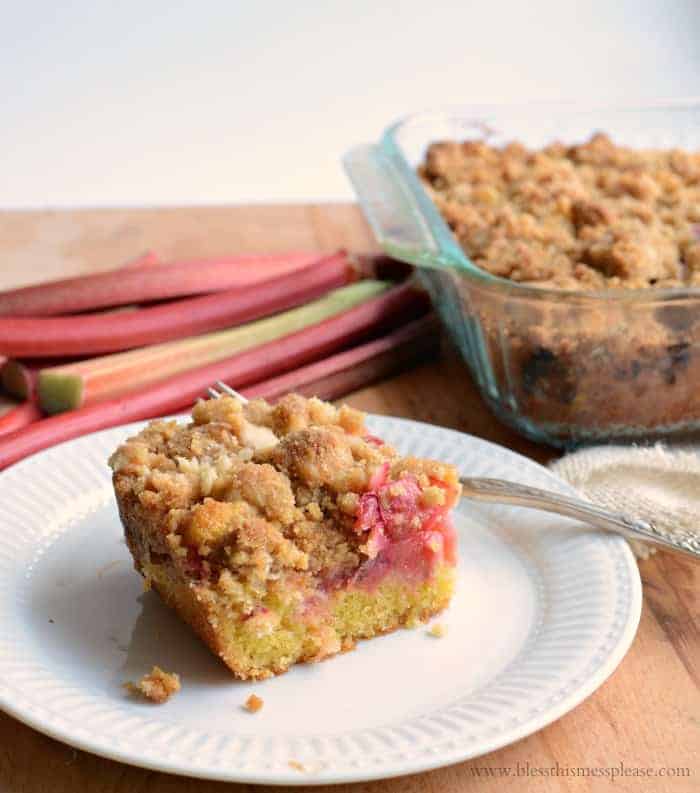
260 648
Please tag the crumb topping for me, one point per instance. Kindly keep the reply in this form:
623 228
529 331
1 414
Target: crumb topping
157 686
248 494
590 216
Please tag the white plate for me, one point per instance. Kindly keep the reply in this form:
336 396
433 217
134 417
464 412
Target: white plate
542 615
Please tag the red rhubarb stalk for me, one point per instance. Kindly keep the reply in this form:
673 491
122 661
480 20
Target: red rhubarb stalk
255 365
358 367
18 417
19 378
139 284
98 333
80 384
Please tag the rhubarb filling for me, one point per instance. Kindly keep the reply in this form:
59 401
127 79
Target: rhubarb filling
404 537
285 533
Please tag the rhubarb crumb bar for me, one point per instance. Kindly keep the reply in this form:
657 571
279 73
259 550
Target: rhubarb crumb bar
588 218
591 216
285 533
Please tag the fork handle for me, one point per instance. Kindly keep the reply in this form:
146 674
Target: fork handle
503 492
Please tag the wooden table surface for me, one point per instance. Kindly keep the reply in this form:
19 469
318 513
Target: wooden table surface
647 715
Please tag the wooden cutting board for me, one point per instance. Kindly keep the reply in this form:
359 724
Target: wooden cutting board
645 718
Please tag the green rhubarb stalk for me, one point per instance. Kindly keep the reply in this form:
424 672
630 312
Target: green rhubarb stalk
71 386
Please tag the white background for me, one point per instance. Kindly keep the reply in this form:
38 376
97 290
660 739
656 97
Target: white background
131 102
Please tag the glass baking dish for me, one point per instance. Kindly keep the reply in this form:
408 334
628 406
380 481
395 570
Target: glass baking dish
560 367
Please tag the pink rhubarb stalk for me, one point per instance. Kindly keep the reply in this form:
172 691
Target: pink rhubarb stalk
18 417
98 333
19 378
139 284
396 306
358 367
76 385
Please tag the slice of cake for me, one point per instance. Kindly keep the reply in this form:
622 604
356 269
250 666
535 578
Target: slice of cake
285 533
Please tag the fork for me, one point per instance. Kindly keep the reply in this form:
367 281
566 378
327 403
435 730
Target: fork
225 389
501 491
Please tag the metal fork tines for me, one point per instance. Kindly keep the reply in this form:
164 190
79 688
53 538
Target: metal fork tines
224 389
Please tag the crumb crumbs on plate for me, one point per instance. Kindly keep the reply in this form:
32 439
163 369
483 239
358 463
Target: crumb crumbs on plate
157 686
296 765
438 630
254 703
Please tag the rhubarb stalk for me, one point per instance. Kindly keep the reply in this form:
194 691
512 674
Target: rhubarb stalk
98 333
139 284
18 417
79 384
19 378
255 365
358 367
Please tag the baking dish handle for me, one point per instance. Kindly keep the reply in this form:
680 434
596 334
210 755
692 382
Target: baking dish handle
389 207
